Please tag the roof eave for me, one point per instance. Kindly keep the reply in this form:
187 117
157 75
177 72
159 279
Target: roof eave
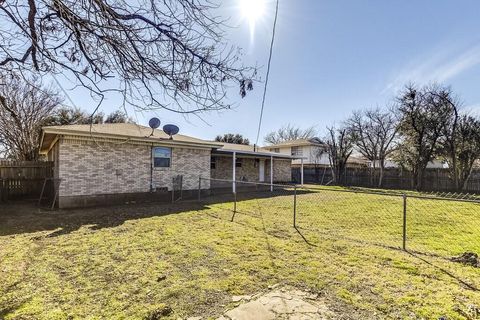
48 130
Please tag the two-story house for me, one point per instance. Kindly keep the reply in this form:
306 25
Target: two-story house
313 151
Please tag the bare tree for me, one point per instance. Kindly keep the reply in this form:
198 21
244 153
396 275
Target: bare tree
373 132
64 115
118 117
169 54
289 132
318 153
423 114
232 138
340 147
461 148
23 109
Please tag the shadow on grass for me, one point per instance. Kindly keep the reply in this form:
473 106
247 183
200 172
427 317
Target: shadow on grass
25 217
304 238
20 218
443 270
422 256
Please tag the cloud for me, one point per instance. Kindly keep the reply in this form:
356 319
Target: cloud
440 67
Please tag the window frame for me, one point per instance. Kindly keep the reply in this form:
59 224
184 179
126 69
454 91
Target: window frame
298 151
169 158
213 163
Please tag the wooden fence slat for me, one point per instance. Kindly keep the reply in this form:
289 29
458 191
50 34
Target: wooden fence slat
23 179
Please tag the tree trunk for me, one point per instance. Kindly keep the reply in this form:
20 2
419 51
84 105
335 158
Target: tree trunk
465 180
380 178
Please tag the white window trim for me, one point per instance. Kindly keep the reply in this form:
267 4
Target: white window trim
153 158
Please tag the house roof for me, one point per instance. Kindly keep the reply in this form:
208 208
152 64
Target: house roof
357 159
119 131
138 133
297 142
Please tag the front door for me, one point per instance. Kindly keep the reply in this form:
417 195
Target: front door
261 170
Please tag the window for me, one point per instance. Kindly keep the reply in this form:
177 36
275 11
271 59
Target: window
276 150
238 163
162 157
213 163
297 151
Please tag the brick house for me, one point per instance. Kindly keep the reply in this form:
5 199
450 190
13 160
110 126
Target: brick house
114 163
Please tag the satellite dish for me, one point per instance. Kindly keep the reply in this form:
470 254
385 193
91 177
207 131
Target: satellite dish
171 129
154 123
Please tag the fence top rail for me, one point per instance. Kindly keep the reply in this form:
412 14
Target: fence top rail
456 197
7 163
290 185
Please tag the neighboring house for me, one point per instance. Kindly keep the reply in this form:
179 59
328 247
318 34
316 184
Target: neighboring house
357 161
435 164
114 163
313 151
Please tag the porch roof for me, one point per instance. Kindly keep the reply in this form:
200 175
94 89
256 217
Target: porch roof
250 151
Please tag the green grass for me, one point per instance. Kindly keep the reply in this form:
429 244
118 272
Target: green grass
126 262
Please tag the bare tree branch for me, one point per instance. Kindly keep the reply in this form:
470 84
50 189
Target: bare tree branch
23 110
168 54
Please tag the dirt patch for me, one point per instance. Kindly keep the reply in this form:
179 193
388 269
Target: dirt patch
468 258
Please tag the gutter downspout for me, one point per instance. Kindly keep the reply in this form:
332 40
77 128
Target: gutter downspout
151 168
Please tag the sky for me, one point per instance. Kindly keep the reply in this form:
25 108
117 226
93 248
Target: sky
335 56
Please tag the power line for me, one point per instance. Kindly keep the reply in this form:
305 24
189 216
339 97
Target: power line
64 91
268 72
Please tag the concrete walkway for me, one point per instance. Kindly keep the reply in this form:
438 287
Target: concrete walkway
282 303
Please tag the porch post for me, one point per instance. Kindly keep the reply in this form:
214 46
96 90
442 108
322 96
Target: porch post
271 173
234 187
301 172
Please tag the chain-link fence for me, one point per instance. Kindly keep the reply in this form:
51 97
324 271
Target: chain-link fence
445 225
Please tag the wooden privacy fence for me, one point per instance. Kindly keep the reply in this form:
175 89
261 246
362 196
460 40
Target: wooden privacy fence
435 179
23 179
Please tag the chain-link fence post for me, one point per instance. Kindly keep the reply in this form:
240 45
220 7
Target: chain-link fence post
295 206
235 198
173 190
199 188
404 246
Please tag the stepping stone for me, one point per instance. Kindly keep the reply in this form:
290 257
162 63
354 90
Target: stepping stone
240 298
251 310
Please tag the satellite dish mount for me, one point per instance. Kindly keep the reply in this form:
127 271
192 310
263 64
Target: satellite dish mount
171 130
154 123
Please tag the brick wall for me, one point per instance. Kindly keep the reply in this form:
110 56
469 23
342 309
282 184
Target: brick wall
250 171
223 169
89 168
191 163
282 170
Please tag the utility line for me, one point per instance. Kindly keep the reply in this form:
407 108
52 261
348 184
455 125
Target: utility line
268 72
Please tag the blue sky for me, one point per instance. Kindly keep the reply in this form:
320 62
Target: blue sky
335 56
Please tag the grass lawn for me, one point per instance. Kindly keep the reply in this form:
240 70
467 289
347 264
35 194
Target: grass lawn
125 262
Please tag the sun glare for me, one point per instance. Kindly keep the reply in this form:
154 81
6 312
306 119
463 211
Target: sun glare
252 10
